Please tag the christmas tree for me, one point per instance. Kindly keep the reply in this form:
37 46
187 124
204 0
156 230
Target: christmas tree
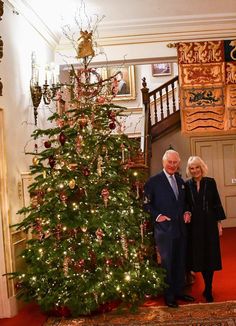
90 243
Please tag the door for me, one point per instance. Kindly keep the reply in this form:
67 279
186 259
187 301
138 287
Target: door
219 153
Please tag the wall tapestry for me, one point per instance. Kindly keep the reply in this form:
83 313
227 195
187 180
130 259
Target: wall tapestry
207 75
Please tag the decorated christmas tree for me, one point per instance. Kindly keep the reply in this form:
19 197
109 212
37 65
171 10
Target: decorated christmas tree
91 243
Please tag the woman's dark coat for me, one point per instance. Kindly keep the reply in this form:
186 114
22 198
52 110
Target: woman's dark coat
203 235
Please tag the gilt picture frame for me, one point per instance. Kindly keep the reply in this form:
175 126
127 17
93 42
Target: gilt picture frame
124 74
161 69
126 81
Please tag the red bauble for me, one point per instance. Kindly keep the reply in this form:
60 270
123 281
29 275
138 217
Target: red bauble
51 161
112 125
109 262
83 121
18 285
62 138
61 312
109 306
81 263
101 99
86 171
112 115
63 197
47 144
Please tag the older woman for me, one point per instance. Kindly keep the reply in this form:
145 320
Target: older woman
205 228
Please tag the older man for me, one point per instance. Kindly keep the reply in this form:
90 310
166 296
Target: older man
165 201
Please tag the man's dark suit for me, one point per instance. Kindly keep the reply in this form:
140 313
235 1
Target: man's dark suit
170 236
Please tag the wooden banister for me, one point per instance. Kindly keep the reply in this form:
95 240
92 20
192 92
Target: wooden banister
161 112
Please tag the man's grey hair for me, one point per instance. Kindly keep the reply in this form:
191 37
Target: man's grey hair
169 152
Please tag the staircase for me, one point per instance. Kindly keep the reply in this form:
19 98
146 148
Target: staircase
162 113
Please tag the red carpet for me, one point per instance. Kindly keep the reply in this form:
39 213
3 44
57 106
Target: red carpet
224 286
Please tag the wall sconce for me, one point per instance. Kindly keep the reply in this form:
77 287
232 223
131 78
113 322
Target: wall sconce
47 91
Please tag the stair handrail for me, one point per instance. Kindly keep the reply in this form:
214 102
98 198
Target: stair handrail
146 96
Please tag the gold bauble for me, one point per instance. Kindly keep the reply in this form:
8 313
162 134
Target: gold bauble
72 183
35 160
84 228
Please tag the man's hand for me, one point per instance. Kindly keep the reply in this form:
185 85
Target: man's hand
163 218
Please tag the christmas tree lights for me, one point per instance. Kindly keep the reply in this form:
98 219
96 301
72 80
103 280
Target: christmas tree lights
91 241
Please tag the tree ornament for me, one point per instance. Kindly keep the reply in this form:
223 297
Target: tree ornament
79 265
85 45
60 123
122 153
137 186
112 115
72 183
18 285
124 244
109 262
84 228
83 121
104 149
99 235
72 166
101 99
58 232
62 138
51 161
47 144
63 197
79 143
142 231
35 160
61 311
34 201
112 125
105 195
99 165
86 171
66 266
93 257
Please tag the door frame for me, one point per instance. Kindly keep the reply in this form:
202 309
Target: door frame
8 307
216 138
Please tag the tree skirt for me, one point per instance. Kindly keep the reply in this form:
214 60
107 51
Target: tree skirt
201 314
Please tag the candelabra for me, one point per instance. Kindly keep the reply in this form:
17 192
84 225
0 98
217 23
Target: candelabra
47 91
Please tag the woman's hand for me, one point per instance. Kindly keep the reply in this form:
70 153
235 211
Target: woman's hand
220 229
187 217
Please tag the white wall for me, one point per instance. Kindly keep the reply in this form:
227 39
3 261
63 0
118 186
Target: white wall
178 142
20 40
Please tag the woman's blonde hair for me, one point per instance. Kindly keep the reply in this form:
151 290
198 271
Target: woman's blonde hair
196 160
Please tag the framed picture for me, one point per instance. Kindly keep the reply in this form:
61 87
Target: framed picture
124 75
161 69
126 82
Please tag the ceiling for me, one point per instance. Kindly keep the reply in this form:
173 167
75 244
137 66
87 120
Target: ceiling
127 19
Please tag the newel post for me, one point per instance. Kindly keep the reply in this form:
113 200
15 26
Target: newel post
147 123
